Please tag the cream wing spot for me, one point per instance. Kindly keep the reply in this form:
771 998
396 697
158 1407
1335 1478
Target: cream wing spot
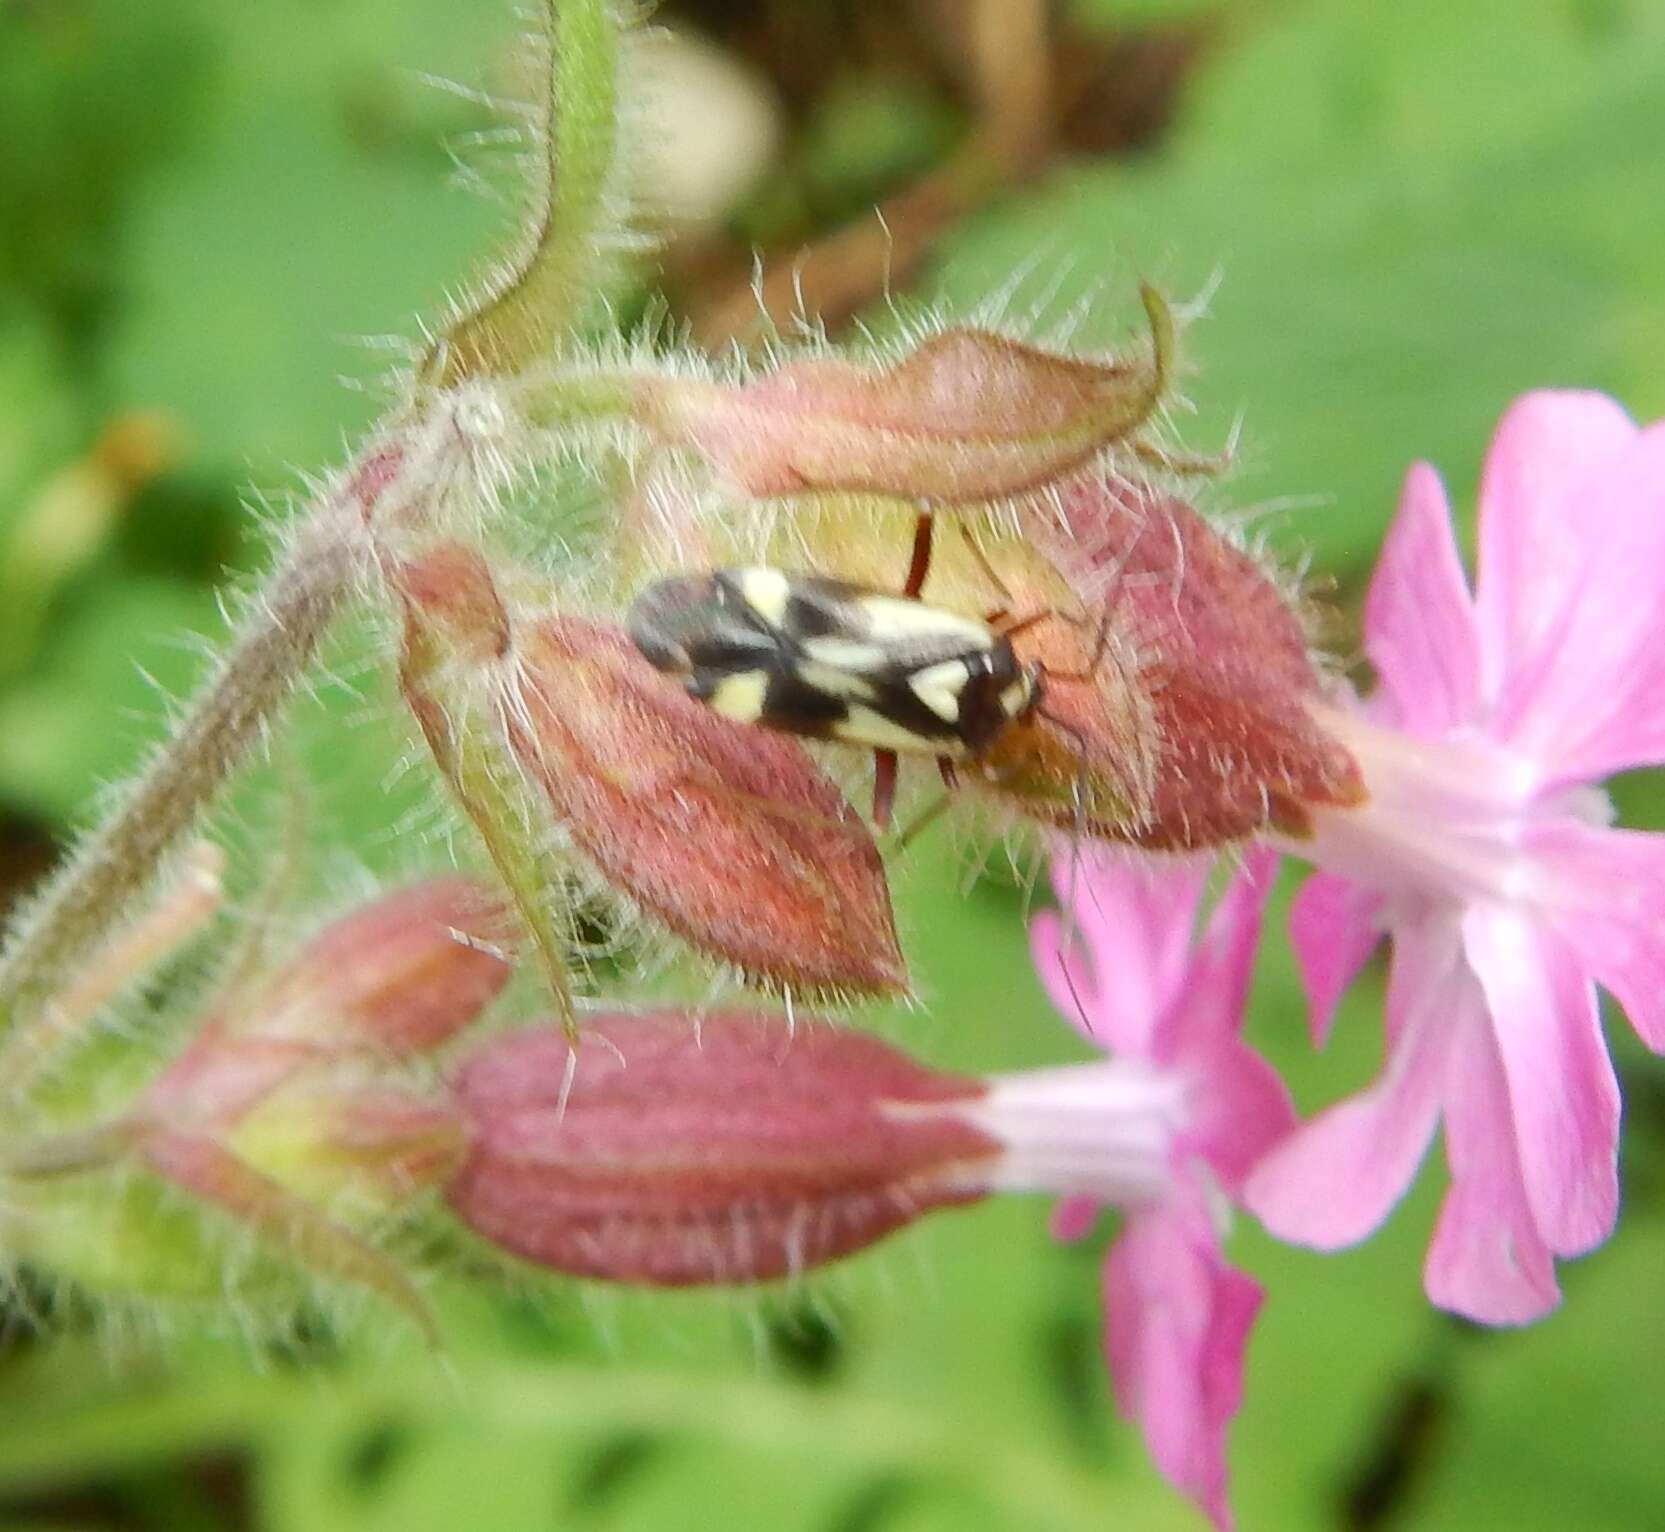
939 688
845 653
835 681
767 592
740 696
864 726
892 618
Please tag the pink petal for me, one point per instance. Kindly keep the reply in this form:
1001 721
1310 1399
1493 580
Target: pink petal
1238 1104
1128 925
1177 1321
1137 911
1333 927
1072 1218
1418 621
1563 1096
1595 708
1486 1261
1533 529
1333 1180
1580 689
1606 900
1240 1108
1208 1007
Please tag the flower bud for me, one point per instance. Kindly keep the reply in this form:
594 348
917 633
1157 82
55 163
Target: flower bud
966 416
675 1150
728 835
401 976
1219 662
370 1143
398 977
268 1114
222 1074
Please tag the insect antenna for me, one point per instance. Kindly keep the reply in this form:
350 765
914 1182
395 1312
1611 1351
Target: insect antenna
1087 674
990 573
1078 783
1184 464
1069 945
1071 895
1008 629
1089 671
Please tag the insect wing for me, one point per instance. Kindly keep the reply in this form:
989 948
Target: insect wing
831 660
904 669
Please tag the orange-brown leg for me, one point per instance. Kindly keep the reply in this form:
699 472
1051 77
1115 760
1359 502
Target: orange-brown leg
950 780
920 564
884 786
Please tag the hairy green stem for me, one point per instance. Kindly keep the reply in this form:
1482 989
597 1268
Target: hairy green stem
91 892
541 295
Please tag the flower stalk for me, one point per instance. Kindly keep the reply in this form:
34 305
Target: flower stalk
123 958
540 297
223 726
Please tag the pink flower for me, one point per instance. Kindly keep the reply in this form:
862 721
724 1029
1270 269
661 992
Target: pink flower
675 1150
1120 964
1485 852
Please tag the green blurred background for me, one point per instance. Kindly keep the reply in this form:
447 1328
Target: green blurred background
1414 211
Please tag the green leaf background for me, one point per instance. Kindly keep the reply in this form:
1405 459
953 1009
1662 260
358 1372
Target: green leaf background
1415 212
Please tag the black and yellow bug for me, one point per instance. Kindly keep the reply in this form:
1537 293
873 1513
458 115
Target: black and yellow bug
828 659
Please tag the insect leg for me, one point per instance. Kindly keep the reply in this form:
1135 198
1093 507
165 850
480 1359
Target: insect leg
884 786
1188 463
925 819
920 564
928 817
